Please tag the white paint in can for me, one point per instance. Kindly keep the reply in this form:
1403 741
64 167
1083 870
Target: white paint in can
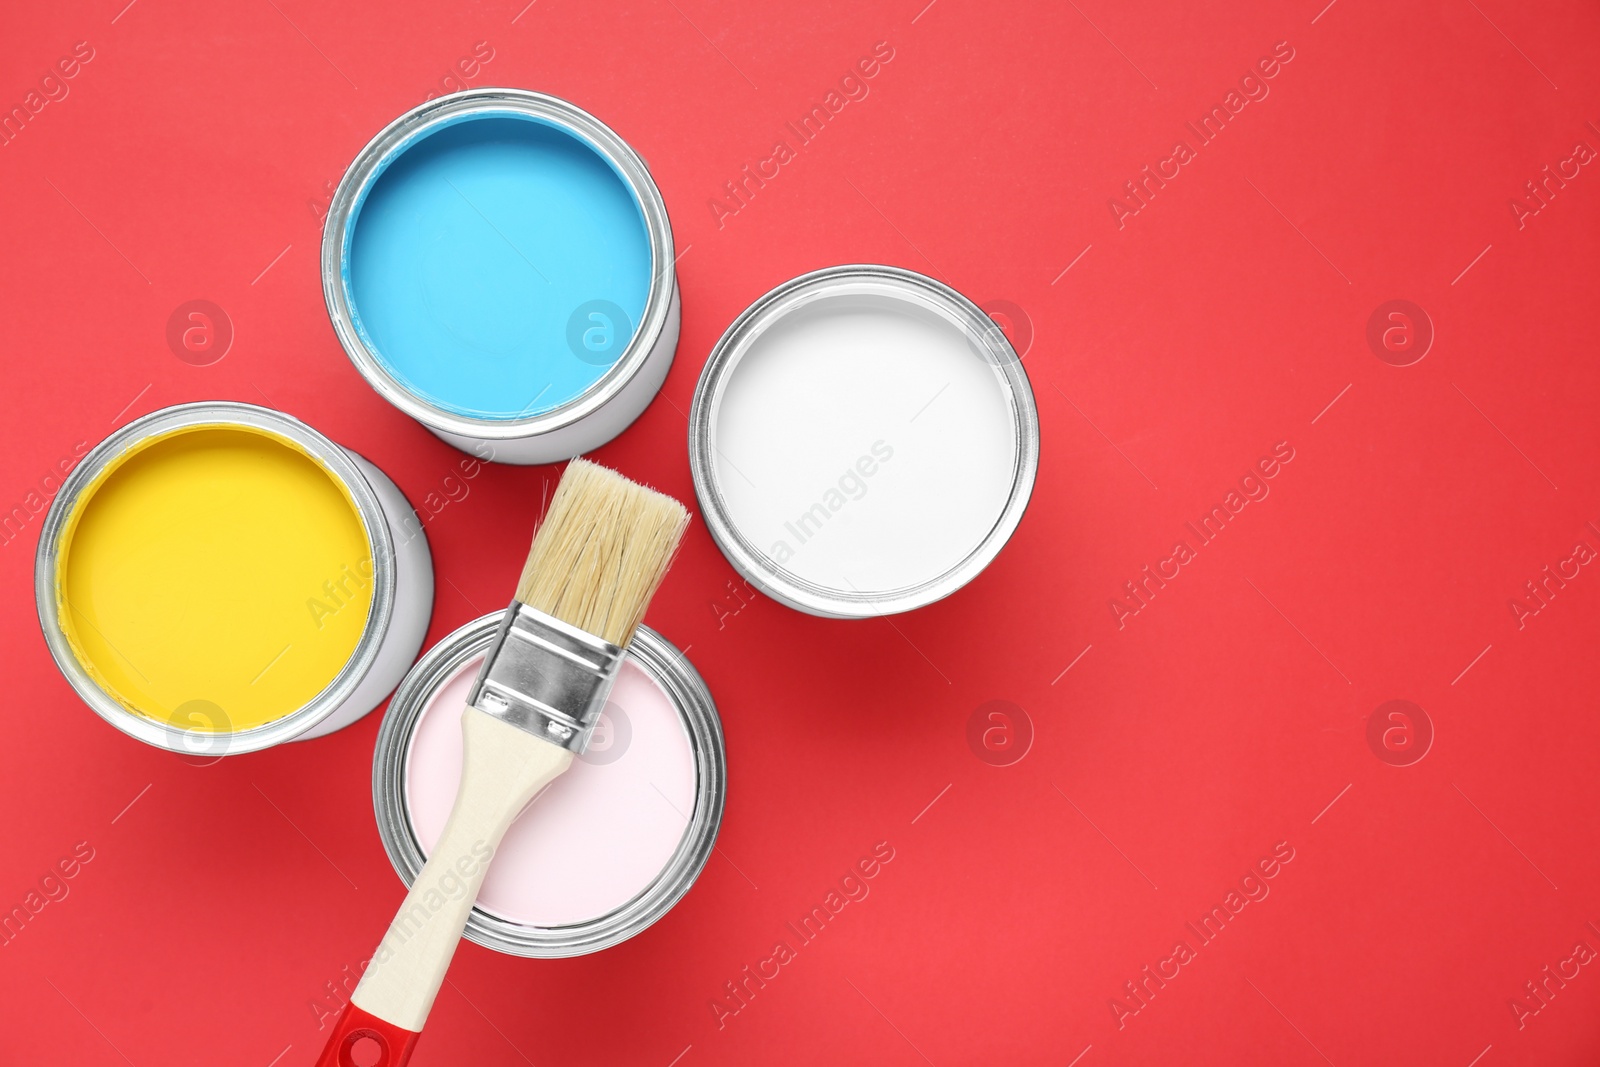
864 441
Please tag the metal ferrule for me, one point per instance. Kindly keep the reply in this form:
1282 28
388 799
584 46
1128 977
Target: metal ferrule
546 677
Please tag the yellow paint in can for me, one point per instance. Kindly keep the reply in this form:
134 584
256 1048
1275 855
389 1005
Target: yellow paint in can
215 564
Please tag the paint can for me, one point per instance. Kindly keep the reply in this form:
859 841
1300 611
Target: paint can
218 578
863 441
610 846
498 264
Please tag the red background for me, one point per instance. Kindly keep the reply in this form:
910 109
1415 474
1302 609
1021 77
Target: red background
190 161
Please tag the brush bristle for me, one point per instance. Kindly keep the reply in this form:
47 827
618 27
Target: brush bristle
602 551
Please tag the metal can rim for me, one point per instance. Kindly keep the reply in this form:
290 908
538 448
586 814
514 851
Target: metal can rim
668 668
222 414
407 130
755 565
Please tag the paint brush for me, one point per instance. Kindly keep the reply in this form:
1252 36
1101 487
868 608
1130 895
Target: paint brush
595 563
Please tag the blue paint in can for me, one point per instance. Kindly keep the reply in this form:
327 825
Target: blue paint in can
497 266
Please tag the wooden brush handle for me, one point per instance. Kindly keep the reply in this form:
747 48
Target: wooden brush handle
502 769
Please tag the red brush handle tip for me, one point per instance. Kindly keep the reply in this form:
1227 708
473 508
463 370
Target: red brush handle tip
391 1044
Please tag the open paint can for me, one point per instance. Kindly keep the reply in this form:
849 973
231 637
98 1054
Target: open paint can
216 578
863 441
498 264
610 845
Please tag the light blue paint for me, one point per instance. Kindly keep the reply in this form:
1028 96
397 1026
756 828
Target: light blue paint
472 256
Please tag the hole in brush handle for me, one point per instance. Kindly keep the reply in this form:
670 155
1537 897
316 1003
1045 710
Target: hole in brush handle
360 1036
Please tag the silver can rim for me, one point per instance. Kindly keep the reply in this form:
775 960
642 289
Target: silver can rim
670 669
408 130
754 564
193 416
